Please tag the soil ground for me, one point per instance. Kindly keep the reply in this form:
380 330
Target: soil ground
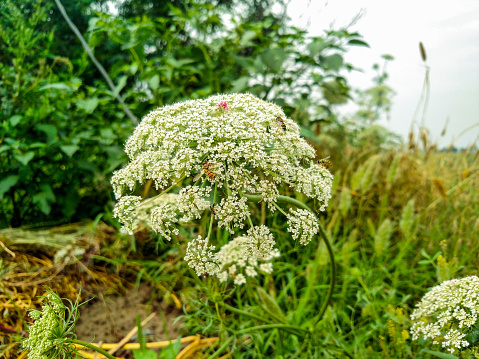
109 320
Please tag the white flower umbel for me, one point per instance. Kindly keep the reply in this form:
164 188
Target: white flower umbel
235 262
302 225
269 192
125 210
200 257
231 212
192 202
163 219
447 313
227 140
259 243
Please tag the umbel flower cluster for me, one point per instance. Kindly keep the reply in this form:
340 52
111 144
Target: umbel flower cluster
40 333
213 153
448 315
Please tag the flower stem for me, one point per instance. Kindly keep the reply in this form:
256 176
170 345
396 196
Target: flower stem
289 328
92 347
280 209
165 191
332 276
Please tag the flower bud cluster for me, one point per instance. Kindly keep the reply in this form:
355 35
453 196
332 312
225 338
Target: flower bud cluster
447 313
302 225
39 341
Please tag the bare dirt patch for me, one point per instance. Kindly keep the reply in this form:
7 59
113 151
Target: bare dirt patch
110 319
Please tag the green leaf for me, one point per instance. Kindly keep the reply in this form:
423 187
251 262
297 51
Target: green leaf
58 86
171 351
44 198
334 62
154 82
274 58
50 130
240 84
88 105
270 304
143 352
247 36
439 354
15 120
358 42
121 84
69 150
316 46
8 183
25 157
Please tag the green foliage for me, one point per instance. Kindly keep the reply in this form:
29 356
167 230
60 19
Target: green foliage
62 129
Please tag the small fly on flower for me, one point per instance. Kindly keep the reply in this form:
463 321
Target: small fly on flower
325 162
281 123
208 169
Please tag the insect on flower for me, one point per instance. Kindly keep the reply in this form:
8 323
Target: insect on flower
325 162
208 169
212 208
281 123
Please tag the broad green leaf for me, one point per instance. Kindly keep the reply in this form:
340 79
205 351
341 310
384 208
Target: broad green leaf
247 36
144 354
15 120
121 84
243 61
69 150
240 84
179 63
334 62
171 351
154 82
57 86
88 105
44 198
358 42
274 58
8 183
270 304
439 354
50 130
24 158
316 46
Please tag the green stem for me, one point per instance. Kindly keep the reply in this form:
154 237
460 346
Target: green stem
295 202
242 312
165 191
280 209
92 347
332 275
289 328
250 222
221 348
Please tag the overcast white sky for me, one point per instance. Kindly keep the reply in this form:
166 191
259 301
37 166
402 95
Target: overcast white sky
449 31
